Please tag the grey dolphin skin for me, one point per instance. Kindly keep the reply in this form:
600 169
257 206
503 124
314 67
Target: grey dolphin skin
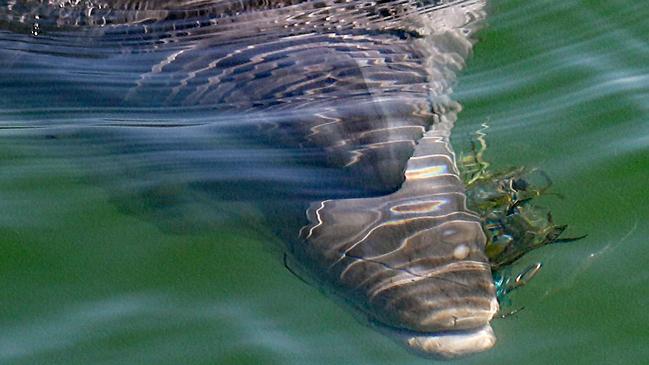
365 81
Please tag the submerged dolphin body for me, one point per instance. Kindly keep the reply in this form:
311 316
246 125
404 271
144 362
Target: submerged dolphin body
367 82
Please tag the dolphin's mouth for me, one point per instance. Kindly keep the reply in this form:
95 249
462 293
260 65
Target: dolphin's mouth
443 345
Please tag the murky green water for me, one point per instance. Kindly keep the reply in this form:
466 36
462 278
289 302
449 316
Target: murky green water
563 85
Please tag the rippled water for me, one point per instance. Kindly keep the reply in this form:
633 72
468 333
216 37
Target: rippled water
106 260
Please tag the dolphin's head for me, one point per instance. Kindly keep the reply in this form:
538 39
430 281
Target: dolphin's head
422 280
412 262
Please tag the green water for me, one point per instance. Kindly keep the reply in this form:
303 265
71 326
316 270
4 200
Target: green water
562 85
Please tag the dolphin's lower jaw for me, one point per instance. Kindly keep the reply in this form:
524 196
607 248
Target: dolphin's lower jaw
458 330
444 345
450 319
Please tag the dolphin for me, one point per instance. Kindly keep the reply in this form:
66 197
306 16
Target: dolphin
365 82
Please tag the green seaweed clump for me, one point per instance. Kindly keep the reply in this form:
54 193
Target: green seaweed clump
511 219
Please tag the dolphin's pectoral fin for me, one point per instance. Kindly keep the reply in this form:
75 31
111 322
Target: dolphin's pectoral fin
413 261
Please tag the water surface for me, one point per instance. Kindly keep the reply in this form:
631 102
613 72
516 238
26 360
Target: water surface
107 260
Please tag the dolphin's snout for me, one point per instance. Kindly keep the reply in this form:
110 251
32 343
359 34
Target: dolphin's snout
451 345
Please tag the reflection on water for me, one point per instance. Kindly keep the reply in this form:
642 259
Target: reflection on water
138 197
